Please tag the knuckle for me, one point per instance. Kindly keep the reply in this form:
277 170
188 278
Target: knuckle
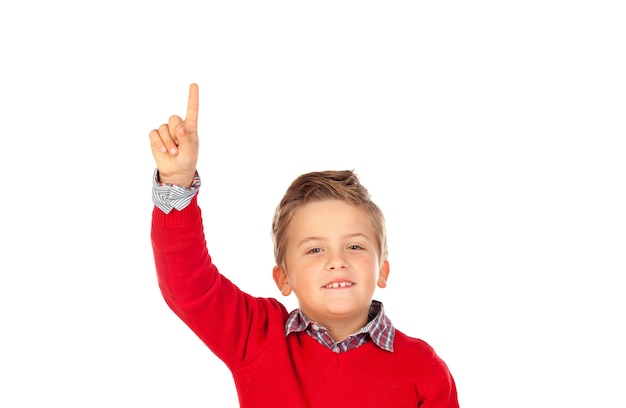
163 130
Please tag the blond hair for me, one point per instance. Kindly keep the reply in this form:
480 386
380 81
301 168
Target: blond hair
341 185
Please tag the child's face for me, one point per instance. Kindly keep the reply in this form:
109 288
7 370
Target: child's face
332 261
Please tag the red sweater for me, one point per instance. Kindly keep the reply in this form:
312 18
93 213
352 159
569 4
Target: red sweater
274 370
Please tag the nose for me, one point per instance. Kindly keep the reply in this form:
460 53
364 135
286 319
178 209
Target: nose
336 260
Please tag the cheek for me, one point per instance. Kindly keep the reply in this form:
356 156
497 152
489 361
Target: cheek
299 272
367 262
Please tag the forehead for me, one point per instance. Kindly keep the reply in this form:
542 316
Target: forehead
330 217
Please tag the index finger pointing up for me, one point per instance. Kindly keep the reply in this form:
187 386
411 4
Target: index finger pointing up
191 119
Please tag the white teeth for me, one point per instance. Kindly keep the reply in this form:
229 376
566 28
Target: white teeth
338 285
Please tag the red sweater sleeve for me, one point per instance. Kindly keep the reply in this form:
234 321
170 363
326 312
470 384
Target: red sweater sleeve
233 324
441 391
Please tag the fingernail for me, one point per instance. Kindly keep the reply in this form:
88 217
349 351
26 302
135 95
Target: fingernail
181 130
163 149
173 150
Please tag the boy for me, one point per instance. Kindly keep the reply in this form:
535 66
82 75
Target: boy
338 348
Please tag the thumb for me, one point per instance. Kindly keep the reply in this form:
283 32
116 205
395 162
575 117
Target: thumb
185 135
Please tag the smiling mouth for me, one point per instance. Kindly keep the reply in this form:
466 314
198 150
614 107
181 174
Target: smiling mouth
337 285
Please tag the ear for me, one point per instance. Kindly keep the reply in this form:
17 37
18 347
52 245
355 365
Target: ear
383 274
280 277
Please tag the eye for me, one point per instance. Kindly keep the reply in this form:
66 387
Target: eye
354 247
314 251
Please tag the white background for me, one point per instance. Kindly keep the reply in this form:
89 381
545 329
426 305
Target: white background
490 133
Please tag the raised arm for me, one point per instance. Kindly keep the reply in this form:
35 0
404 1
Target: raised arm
232 323
175 144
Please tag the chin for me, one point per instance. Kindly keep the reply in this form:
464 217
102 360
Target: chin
345 308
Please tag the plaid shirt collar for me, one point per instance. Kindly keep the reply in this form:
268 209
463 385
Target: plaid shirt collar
378 328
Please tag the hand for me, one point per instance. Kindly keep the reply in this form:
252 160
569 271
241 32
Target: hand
175 144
